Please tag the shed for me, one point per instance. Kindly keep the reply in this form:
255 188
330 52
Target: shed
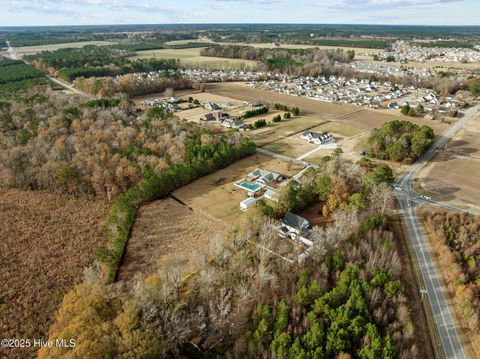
247 203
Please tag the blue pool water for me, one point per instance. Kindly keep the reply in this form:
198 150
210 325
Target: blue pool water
250 186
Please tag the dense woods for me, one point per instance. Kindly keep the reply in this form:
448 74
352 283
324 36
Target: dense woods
399 140
91 60
293 61
456 239
131 84
16 75
49 141
345 300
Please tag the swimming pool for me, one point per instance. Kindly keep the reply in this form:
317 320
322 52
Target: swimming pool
252 187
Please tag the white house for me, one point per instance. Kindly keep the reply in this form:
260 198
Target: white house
233 122
316 137
294 223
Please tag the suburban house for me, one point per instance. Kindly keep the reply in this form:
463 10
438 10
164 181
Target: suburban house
215 116
316 137
254 103
211 106
264 177
296 227
233 122
294 223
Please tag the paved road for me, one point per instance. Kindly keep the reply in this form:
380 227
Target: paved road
12 54
69 86
409 200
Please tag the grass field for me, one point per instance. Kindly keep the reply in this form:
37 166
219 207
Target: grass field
451 174
359 52
164 230
285 128
216 194
46 241
30 50
191 57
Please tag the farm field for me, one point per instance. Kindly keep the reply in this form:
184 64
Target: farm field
31 50
292 146
449 176
46 241
361 53
285 128
216 194
165 230
191 57
239 90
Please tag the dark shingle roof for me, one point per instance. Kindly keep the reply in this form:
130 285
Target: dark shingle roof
294 221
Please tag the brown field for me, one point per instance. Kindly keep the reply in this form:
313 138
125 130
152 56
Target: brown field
283 129
46 241
164 230
239 90
216 194
452 174
292 146
191 57
31 50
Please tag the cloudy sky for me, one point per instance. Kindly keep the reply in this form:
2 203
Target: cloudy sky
79 12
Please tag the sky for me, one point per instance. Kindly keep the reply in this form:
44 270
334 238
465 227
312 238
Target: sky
90 12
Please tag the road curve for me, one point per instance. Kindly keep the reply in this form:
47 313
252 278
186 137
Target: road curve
409 200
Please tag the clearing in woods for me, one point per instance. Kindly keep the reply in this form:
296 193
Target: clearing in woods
163 231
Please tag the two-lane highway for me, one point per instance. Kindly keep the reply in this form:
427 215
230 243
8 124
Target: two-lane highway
409 200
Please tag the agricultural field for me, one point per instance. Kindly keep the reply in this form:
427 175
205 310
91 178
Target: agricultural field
279 130
449 175
46 241
191 57
217 196
239 90
164 230
31 50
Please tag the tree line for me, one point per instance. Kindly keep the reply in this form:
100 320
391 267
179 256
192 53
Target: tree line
400 140
345 300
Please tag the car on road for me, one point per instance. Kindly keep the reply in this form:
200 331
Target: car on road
426 197
397 188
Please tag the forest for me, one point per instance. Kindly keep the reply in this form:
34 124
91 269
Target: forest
293 61
400 140
53 142
132 85
16 75
456 239
346 300
91 60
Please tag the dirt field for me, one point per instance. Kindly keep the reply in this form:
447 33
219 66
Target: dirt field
361 53
216 194
279 130
191 57
239 90
46 241
292 146
452 174
165 229
31 50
